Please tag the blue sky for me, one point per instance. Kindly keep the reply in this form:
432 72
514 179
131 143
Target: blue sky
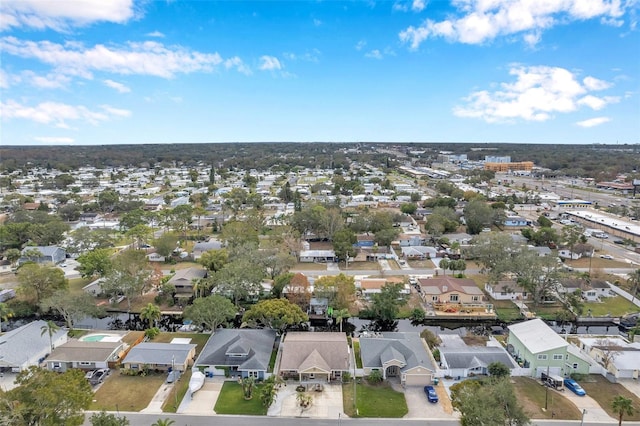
120 71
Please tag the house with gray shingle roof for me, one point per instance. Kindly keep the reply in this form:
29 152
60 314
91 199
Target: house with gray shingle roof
244 352
403 355
48 254
311 357
473 360
84 355
27 346
184 280
160 356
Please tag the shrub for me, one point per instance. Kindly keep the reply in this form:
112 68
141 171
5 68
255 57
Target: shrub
346 377
152 332
374 377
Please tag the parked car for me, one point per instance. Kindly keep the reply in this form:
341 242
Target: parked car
606 256
99 376
173 376
430 391
89 374
574 387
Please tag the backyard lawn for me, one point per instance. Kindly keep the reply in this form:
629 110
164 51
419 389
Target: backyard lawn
76 284
613 306
374 401
127 393
531 395
200 339
603 392
231 401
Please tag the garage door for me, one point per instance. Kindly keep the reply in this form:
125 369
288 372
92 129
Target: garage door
417 379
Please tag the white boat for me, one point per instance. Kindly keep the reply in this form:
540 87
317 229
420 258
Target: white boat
196 382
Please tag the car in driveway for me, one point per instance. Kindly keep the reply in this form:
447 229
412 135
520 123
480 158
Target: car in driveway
606 256
430 391
99 376
574 387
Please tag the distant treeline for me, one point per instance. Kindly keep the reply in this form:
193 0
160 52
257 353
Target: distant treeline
597 161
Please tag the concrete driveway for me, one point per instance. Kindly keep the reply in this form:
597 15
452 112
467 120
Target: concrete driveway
420 407
203 401
326 404
593 413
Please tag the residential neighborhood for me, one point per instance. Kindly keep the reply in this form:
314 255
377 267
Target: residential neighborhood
189 284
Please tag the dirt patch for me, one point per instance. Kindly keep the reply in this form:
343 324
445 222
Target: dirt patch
604 392
473 340
533 397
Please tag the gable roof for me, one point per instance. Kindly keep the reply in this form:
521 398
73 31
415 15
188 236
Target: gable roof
448 284
475 356
252 347
314 360
188 274
159 353
18 346
537 336
332 351
75 350
404 347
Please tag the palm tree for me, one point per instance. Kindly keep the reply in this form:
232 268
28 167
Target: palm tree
622 406
163 422
150 313
5 313
634 282
50 327
340 315
444 265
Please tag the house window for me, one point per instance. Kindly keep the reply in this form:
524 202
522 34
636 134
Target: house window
312 376
575 365
557 357
434 298
56 365
542 357
253 374
134 366
85 363
453 298
475 298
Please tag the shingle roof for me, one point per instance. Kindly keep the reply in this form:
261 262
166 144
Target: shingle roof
442 285
75 350
475 356
537 336
332 348
406 347
158 353
258 344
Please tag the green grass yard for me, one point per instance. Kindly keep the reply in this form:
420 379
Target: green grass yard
374 401
231 401
126 393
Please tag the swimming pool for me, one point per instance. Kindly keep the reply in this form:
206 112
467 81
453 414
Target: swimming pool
95 337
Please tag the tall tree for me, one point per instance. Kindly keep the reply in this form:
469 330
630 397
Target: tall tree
214 260
46 398
150 313
50 329
72 307
386 305
40 281
238 279
130 275
211 311
622 406
343 242
5 313
108 419
277 314
95 262
478 214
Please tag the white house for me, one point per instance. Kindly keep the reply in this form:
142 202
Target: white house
28 345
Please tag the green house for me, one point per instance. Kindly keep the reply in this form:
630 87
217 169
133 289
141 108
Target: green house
538 347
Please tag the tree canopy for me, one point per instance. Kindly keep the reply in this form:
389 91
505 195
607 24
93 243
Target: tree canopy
278 314
211 311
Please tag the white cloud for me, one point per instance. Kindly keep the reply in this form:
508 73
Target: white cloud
418 5
374 54
156 34
479 22
592 122
51 140
7 80
143 58
269 63
360 45
236 62
537 94
58 114
595 84
119 87
310 56
317 22
61 15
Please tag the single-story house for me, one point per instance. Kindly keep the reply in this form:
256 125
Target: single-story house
410 240
516 221
365 240
536 346
160 356
184 279
370 286
48 254
155 257
372 254
472 360
202 247
85 355
5 266
449 290
542 251
568 254
506 290
244 352
28 346
419 252
318 256
402 355
310 357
